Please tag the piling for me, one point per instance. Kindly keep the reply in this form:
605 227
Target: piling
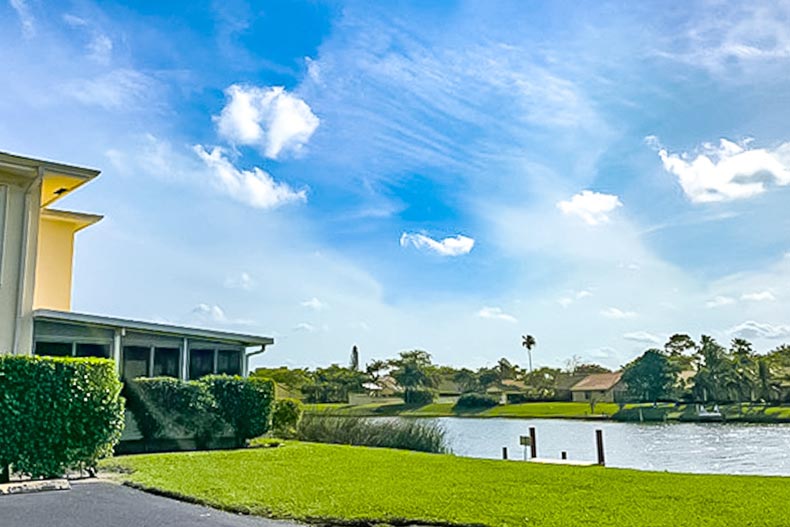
564 455
533 444
504 452
599 447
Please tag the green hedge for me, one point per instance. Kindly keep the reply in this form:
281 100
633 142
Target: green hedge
245 404
286 416
57 414
472 401
212 407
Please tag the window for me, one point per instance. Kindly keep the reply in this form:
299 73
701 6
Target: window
229 361
54 349
166 362
93 350
201 362
135 362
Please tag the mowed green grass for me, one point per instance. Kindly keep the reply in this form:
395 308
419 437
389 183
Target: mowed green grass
332 483
568 410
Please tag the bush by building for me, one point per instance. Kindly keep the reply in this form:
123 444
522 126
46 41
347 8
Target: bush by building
473 401
57 414
286 416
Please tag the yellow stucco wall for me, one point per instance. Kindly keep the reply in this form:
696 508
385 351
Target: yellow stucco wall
54 264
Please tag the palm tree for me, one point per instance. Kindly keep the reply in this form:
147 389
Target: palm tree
528 341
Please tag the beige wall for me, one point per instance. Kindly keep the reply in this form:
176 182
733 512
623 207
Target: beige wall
16 324
54 264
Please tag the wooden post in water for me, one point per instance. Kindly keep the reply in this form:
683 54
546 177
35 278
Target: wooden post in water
504 452
599 447
533 444
564 455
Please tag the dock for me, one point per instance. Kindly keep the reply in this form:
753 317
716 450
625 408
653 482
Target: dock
574 462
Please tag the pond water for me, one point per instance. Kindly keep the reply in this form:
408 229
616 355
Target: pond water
718 448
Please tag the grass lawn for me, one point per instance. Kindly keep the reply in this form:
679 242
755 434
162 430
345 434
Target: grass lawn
566 410
316 482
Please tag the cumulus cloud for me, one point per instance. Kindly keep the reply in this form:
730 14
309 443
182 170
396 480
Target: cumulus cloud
727 171
616 313
761 296
758 330
642 337
270 119
592 207
452 246
209 312
314 304
252 187
496 313
719 301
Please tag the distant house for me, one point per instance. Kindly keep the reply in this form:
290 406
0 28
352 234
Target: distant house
599 387
563 384
507 390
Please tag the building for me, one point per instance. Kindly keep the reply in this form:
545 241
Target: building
36 258
599 388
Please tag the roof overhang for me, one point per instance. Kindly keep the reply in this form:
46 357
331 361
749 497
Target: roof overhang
152 327
79 220
58 179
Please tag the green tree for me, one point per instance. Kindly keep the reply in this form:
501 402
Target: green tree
375 369
528 342
414 371
714 378
293 378
650 377
333 384
354 363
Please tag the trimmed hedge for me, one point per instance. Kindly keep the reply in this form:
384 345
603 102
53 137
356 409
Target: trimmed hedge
421 396
471 401
57 413
214 406
286 416
245 404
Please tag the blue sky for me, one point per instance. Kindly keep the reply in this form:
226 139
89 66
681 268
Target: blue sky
442 176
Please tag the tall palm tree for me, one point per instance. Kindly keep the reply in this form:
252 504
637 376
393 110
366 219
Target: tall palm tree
528 341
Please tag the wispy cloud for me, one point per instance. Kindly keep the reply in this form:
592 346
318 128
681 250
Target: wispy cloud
314 304
643 337
117 89
719 301
569 299
26 18
592 207
758 330
617 313
241 281
452 246
728 171
252 187
496 313
761 296
269 118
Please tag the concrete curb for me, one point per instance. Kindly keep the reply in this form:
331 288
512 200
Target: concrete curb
27 487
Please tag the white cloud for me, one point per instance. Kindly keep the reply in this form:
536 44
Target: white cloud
210 313
74 20
314 304
762 296
313 69
25 17
719 301
592 207
496 313
565 301
642 337
305 327
253 187
242 281
452 246
570 299
118 89
757 330
728 171
100 48
270 118
616 313
604 352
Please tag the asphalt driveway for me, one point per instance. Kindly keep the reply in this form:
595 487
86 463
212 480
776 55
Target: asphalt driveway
103 504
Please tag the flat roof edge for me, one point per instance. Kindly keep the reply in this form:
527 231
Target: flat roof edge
153 327
52 166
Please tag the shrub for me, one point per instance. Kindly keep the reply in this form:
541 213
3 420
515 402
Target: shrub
471 401
404 434
420 396
57 414
245 404
165 407
286 416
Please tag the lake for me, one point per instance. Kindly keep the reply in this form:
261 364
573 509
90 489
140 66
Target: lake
717 448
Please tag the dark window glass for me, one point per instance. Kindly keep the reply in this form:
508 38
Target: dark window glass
135 362
229 361
201 362
54 349
166 362
93 350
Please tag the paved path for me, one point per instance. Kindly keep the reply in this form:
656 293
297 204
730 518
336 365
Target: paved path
103 504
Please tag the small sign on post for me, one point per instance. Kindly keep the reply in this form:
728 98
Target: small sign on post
525 441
